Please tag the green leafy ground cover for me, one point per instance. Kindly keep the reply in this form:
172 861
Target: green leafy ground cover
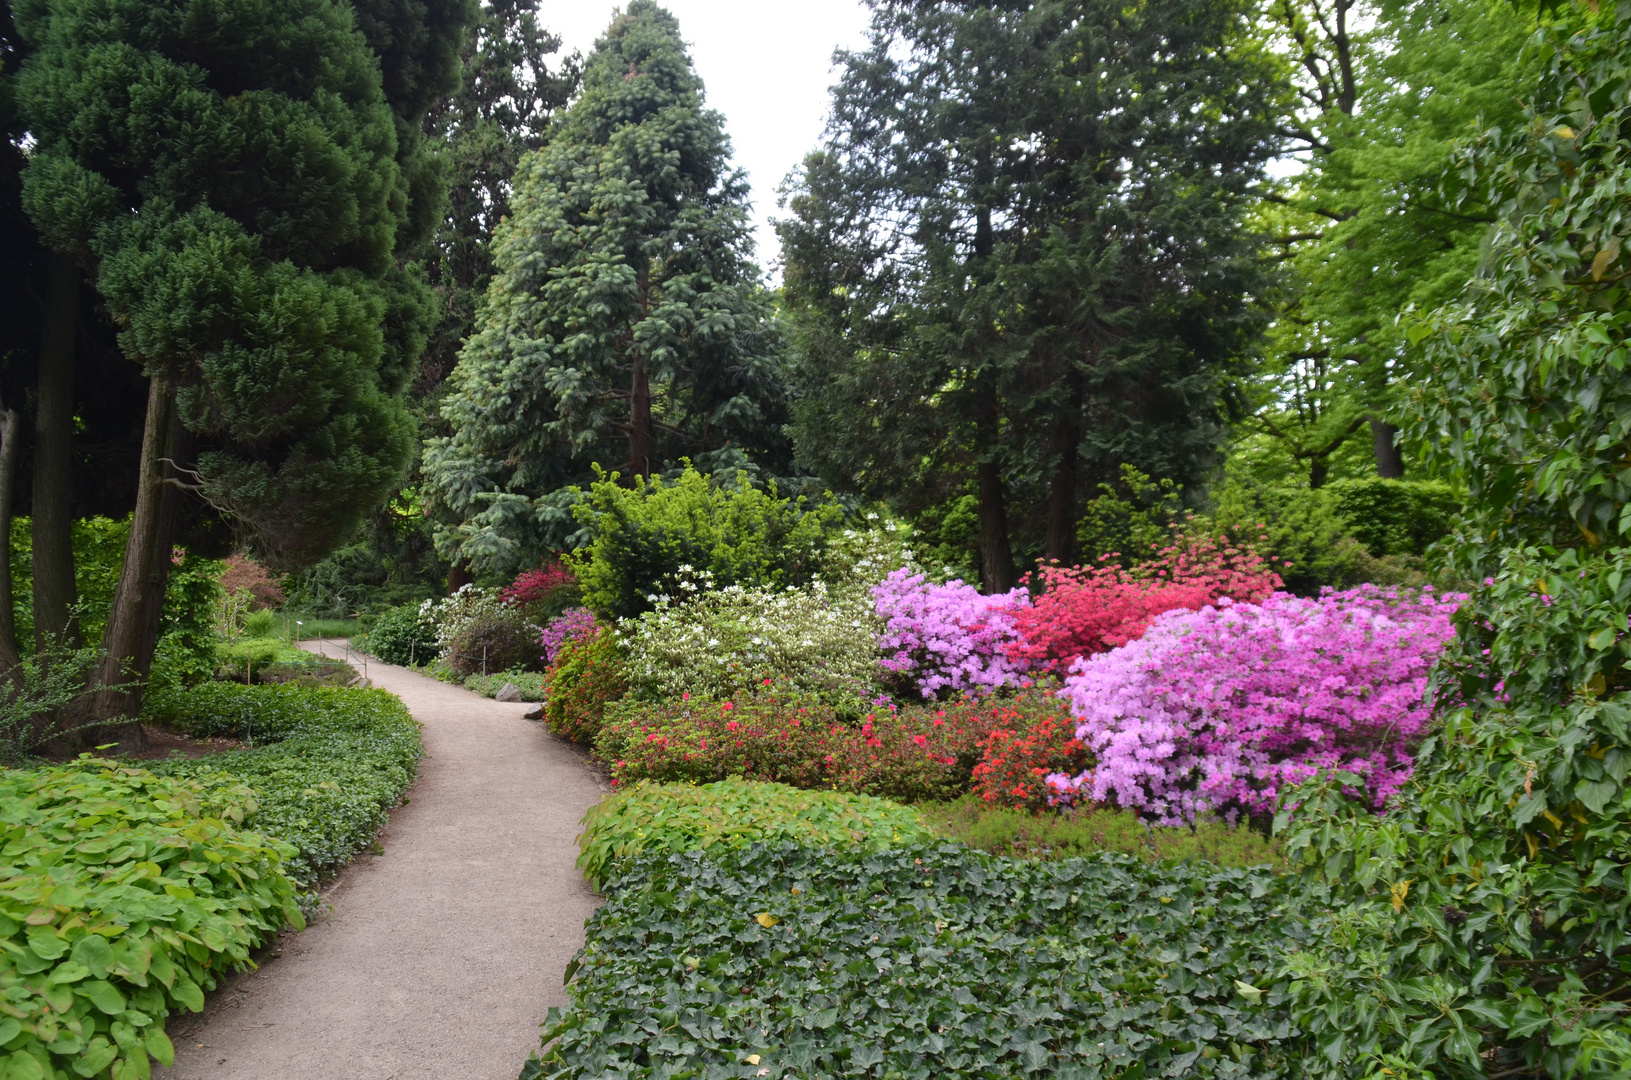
530 683
934 961
1000 830
122 896
327 764
735 813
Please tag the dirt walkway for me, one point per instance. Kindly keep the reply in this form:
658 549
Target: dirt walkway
440 955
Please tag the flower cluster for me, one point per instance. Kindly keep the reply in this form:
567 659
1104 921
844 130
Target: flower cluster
1017 758
575 624
451 616
586 675
720 642
542 592
945 638
1084 611
1217 709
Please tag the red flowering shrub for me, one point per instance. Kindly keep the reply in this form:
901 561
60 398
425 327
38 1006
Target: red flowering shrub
1015 761
544 593
243 574
587 675
1083 611
911 754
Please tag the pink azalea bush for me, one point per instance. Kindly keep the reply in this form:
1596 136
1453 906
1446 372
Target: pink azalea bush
576 624
1217 709
1083 611
945 638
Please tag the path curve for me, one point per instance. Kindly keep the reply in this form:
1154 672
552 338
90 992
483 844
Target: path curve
440 956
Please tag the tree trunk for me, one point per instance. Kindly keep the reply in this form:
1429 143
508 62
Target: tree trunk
10 434
1318 469
458 576
996 554
642 446
1389 462
139 597
1060 545
52 520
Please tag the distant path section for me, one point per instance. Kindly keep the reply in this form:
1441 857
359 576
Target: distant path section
439 956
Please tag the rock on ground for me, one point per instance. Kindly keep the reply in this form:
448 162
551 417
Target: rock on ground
440 955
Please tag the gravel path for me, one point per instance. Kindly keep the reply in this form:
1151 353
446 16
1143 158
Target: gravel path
440 955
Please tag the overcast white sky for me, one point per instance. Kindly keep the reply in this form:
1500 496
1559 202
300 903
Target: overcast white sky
766 65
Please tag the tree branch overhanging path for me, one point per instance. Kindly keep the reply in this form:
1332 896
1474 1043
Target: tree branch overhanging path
439 957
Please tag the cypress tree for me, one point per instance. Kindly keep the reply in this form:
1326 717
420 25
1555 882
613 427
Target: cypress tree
230 178
625 325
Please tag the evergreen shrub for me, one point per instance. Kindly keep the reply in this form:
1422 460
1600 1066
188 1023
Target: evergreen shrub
126 895
739 534
496 640
587 675
1396 517
401 637
734 813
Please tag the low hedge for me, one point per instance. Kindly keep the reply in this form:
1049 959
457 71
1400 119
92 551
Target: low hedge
122 896
929 962
327 763
734 813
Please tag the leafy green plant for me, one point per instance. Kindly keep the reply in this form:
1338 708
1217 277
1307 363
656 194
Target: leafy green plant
588 674
926 962
1130 519
189 640
1396 517
1025 834
400 636
734 813
125 896
740 534
1297 529
326 764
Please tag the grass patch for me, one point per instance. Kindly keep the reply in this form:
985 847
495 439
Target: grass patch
318 628
733 813
530 683
326 764
933 962
1026 835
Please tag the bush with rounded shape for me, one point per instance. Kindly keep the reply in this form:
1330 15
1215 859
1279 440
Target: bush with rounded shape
572 625
940 639
1218 709
494 641
727 641
544 593
587 675
1017 759
401 637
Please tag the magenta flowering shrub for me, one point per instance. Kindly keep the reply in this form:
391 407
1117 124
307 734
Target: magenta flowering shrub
1217 709
947 637
574 624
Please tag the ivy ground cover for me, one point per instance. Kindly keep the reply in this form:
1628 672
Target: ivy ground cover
931 961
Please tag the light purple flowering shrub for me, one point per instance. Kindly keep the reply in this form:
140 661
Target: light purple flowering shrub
573 624
1217 709
947 637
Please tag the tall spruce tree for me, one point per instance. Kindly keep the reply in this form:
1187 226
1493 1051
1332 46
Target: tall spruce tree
1020 260
625 326
232 179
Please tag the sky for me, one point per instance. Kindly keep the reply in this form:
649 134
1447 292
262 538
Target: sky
766 65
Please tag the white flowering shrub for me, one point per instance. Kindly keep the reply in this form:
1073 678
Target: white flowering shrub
721 642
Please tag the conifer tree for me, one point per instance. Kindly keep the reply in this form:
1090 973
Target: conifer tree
232 179
625 326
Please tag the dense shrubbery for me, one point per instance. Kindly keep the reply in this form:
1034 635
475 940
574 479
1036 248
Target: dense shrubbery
125 896
542 594
940 639
327 764
586 675
1218 709
741 535
929 962
721 642
574 624
491 641
734 813
1080 612
1017 758
401 637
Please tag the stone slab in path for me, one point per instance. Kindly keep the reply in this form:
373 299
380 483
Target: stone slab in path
440 956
